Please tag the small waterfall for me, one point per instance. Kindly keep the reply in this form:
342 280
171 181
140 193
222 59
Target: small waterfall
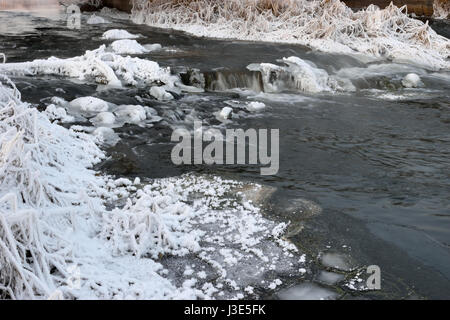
225 80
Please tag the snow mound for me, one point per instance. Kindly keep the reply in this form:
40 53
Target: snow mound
326 25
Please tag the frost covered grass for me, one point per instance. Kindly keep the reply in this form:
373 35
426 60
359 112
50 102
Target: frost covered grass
326 25
43 167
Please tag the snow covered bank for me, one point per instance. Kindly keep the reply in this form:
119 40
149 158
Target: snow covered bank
327 25
46 187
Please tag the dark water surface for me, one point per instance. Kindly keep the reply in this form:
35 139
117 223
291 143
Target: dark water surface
377 167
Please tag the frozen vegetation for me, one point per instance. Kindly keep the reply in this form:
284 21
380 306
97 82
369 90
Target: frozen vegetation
325 25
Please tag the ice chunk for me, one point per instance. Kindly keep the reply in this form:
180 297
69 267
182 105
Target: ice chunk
225 113
127 46
336 261
160 93
307 291
115 34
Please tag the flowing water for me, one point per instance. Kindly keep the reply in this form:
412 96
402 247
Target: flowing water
364 175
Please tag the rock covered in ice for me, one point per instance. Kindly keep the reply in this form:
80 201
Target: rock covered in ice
255 106
58 113
131 113
104 118
412 80
160 93
94 19
116 34
89 105
127 46
106 136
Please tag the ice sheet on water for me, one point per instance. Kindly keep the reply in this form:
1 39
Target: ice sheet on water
307 291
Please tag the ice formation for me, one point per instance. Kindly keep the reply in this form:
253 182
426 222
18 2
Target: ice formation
326 25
